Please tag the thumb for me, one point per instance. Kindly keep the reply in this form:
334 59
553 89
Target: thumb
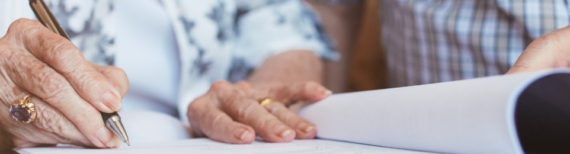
549 51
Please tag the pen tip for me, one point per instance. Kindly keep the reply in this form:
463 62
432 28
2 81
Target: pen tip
128 143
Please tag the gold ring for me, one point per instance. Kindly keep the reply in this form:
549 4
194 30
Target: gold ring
23 110
265 101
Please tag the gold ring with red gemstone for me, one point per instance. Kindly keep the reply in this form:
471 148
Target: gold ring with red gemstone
23 110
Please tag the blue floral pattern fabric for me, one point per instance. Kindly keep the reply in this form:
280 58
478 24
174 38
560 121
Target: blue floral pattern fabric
217 39
89 25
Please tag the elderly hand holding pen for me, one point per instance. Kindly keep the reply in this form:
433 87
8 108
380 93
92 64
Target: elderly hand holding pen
68 91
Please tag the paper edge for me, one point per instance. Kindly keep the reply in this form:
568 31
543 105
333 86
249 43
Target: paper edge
512 101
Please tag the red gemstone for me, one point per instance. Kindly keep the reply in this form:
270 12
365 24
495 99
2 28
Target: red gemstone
20 113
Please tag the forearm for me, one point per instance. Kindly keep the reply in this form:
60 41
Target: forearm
289 66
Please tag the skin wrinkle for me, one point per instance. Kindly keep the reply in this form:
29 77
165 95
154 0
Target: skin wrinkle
281 112
215 101
247 112
19 68
87 80
278 110
553 42
39 119
191 115
60 56
56 125
215 121
283 77
49 84
66 57
548 51
25 30
112 72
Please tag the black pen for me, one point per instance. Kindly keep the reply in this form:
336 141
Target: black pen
44 15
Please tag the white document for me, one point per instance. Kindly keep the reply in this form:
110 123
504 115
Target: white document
206 146
468 116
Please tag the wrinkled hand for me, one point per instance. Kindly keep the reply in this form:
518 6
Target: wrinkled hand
69 92
549 51
231 113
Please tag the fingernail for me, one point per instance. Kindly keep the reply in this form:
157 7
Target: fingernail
285 133
328 92
112 100
310 128
241 133
284 130
111 144
105 136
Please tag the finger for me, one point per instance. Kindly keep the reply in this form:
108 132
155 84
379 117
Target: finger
303 128
57 128
249 90
26 144
548 51
49 127
115 75
306 91
36 77
217 125
249 112
66 59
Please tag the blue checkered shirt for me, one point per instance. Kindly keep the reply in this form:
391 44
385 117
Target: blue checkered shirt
429 41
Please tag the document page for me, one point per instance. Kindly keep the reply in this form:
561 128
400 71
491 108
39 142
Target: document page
206 146
468 116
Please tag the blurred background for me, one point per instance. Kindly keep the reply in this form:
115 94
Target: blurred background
355 26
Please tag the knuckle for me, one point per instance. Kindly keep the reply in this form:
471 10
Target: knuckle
275 108
245 87
23 26
62 54
243 83
311 84
88 82
50 84
220 85
196 105
233 100
244 111
20 24
6 52
115 70
216 121
549 40
51 120
118 77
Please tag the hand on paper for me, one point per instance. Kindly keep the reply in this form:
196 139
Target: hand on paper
69 92
231 113
549 51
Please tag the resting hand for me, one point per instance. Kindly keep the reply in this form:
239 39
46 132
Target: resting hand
549 51
68 91
232 114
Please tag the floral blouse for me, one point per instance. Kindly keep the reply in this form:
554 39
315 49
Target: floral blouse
217 39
